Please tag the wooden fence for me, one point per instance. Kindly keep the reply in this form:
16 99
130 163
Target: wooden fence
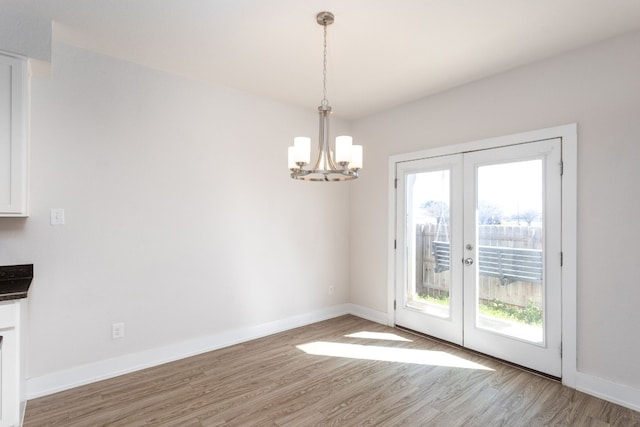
517 293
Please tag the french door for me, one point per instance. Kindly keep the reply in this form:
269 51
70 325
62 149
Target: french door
478 251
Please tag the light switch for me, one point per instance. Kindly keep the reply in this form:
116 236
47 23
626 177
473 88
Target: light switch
57 216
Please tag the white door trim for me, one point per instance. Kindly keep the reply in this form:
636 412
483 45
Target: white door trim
569 135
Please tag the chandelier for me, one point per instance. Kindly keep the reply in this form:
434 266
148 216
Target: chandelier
339 165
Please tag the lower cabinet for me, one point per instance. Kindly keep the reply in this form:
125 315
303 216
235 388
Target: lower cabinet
12 362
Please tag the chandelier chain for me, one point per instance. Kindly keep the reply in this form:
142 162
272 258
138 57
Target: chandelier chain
324 69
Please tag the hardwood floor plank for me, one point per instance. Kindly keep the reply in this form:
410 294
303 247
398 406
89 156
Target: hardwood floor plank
278 381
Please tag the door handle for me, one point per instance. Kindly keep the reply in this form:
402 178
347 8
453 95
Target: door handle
468 261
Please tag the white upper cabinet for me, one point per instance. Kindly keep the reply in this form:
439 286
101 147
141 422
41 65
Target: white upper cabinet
14 84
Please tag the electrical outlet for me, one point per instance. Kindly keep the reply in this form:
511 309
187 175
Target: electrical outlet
117 330
57 216
332 289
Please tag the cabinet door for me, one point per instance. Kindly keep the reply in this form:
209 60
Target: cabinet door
13 136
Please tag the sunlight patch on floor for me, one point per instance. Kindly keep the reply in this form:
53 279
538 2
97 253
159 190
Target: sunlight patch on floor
378 336
389 354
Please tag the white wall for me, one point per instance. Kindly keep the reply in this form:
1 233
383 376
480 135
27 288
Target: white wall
181 218
598 87
24 33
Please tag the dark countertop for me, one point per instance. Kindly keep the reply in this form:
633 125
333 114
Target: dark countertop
15 281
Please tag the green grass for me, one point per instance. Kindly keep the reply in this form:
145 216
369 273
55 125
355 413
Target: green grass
529 315
440 300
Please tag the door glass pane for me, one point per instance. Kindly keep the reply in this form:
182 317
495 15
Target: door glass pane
428 248
509 229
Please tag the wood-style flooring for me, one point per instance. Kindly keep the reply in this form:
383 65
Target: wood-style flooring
348 376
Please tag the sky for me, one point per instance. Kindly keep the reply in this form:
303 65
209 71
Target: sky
515 187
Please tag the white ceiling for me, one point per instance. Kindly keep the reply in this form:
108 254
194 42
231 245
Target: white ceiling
381 52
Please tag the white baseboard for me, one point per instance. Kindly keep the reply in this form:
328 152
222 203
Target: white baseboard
620 394
63 380
109 368
367 313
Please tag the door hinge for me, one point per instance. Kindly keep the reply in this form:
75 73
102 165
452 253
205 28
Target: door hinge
394 304
561 350
561 168
561 259
395 183
395 244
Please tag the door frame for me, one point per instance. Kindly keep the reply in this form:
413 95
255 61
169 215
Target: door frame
569 205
